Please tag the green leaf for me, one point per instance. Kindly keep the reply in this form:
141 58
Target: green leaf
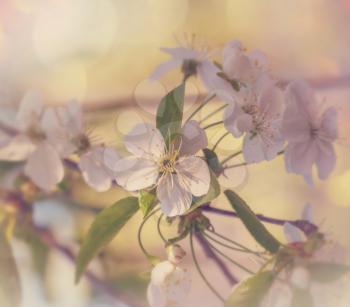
301 298
251 291
252 223
10 285
213 161
147 199
105 227
170 112
214 192
325 272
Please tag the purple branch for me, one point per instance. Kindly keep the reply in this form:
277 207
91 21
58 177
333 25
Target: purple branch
306 227
211 254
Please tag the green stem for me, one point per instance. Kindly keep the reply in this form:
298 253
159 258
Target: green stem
232 242
230 259
159 230
243 250
217 294
213 113
231 157
220 139
204 103
236 165
213 124
148 255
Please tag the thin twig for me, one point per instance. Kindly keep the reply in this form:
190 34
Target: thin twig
231 157
213 113
210 254
217 294
213 124
204 103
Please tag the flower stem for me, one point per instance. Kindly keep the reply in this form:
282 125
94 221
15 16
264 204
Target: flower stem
217 294
231 157
236 165
213 124
220 139
159 229
242 248
148 255
204 103
213 113
230 259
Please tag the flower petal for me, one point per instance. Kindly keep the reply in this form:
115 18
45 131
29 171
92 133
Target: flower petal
181 53
299 157
194 174
161 271
325 161
145 141
174 198
156 296
256 148
45 167
292 233
231 113
193 138
165 67
134 173
328 127
95 174
30 110
16 149
110 158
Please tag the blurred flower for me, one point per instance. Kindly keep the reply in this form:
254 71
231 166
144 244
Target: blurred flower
299 274
72 137
310 132
169 283
32 142
239 68
257 113
192 61
177 176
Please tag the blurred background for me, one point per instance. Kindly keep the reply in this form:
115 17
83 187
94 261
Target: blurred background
101 53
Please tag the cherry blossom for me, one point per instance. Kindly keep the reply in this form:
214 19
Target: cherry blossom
32 143
310 132
176 172
192 61
239 68
71 137
169 283
257 114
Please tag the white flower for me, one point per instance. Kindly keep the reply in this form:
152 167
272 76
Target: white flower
33 144
191 61
310 132
176 172
257 113
169 283
71 137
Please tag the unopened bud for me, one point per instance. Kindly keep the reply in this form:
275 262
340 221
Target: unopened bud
175 253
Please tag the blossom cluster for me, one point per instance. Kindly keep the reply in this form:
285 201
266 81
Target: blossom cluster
166 167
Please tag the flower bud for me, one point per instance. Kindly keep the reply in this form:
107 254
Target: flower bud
175 253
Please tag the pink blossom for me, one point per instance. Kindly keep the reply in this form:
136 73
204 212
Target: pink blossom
257 114
310 132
